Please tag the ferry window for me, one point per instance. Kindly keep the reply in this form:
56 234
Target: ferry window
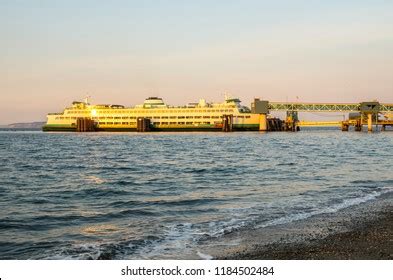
208 110
172 117
124 118
172 123
132 117
206 117
157 123
206 122
117 123
241 117
101 122
189 117
124 122
164 123
110 118
132 123
157 117
109 123
188 122
117 118
180 122
247 117
181 117
165 117
197 117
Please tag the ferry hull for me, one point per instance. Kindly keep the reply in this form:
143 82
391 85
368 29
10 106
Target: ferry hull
249 127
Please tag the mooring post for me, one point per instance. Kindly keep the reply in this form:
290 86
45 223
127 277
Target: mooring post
370 122
262 122
344 126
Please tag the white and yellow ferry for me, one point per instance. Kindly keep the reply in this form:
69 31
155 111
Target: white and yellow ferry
193 116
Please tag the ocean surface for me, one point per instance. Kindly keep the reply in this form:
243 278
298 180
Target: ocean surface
163 195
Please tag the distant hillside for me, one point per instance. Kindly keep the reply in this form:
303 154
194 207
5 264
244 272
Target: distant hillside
26 125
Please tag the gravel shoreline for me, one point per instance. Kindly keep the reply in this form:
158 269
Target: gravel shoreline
362 232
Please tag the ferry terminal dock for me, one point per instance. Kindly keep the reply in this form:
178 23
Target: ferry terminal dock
155 115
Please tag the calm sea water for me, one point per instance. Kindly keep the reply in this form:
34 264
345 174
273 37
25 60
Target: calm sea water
159 195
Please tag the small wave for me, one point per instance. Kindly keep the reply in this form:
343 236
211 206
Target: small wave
204 256
120 204
123 183
99 229
187 202
98 250
332 209
96 192
136 212
286 164
363 182
95 180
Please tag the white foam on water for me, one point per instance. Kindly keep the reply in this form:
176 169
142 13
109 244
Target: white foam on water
77 252
204 256
181 240
331 209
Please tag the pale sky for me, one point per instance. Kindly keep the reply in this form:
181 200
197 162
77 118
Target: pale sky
120 52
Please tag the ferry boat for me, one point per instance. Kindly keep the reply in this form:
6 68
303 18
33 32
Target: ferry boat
191 117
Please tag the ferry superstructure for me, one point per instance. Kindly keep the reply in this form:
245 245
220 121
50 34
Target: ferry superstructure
193 116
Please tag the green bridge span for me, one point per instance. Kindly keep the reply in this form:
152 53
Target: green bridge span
329 107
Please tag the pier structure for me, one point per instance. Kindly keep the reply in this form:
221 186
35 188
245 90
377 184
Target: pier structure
143 125
155 115
227 123
360 114
85 125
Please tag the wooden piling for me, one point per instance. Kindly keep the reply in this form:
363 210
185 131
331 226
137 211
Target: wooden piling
85 125
344 126
227 123
143 125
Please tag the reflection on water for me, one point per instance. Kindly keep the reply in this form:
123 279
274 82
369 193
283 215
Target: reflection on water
161 195
98 229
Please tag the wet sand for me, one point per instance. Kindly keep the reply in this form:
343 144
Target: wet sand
362 232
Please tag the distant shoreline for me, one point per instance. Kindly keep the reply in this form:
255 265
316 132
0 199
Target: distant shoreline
24 125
